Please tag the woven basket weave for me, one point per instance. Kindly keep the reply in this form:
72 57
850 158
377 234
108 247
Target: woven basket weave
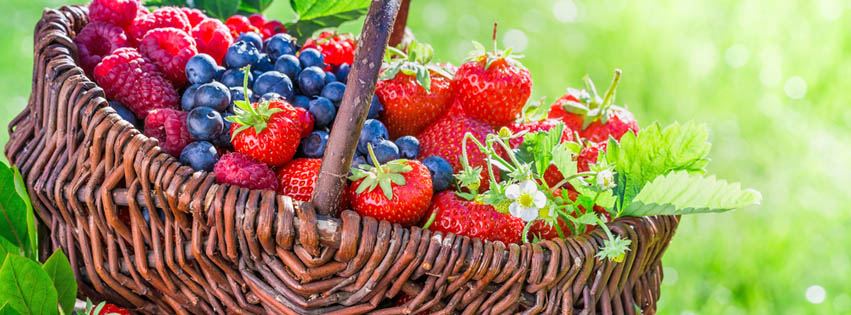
226 249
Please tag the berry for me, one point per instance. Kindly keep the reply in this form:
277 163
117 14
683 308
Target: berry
212 38
264 134
187 100
372 132
195 16
116 12
105 308
223 140
170 49
201 69
169 127
595 118
238 94
279 45
264 64
214 95
251 38
204 123
535 126
375 108
257 20
385 151
304 119
125 113
97 40
313 146
323 110
271 28
301 101
409 147
338 49
589 155
134 81
297 178
241 54
311 80
358 160
444 137
274 82
220 71
239 24
334 92
288 65
311 58
200 155
272 96
329 77
441 172
237 169
236 78
162 17
342 72
381 193
463 217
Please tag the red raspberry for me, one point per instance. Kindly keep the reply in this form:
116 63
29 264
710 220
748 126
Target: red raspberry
257 20
98 40
134 81
337 48
169 127
239 24
116 12
212 38
169 48
240 170
195 16
271 28
162 17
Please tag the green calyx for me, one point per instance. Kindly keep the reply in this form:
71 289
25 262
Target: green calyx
415 63
480 53
591 105
380 175
249 116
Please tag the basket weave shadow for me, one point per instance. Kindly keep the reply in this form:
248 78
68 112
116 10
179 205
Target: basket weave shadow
221 249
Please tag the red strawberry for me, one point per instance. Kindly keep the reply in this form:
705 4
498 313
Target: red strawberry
403 191
337 48
588 155
595 118
257 20
104 309
492 86
212 38
444 138
412 101
297 178
271 28
535 126
463 217
265 131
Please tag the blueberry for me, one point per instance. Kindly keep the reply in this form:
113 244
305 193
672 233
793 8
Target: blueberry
187 100
358 160
279 45
238 94
334 92
241 54
200 155
311 58
329 77
201 69
385 151
274 81
342 72
213 94
223 140
125 113
409 147
375 108
219 72
311 80
323 111
313 146
271 96
264 64
289 65
251 38
373 131
146 215
204 123
301 101
441 172
236 77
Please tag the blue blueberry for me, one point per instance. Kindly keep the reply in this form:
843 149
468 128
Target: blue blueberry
187 100
323 111
204 123
125 113
334 92
313 146
441 172
238 94
200 155
311 58
274 81
241 54
342 72
251 38
374 108
223 140
301 101
329 77
146 215
385 151
271 96
213 94
201 69
358 160
311 80
264 64
236 77
373 131
279 45
289 65
409 147
220 71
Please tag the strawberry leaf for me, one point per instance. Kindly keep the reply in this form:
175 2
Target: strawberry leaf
314 15
220 9
684 193
254 6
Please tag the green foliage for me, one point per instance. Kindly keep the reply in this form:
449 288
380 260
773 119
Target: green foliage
684 193
314 15
59 270
15 226
26 287
220 9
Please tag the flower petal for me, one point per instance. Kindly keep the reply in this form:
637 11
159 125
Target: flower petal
513 191
540 199
528 214
529 187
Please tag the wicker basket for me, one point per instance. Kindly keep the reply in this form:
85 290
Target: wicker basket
223 248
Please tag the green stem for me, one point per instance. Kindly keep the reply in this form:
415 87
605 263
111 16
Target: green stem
379 171
610 93
567 179
430 219
605 228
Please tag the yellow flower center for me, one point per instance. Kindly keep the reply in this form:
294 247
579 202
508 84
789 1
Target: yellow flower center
526 200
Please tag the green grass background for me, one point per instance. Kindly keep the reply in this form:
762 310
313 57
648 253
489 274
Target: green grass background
769 77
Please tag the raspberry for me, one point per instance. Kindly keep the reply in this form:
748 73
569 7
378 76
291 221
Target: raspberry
212 38
131 79
239 24
116 12
195 16
271 28
257 20
162 17
98 40
240 170
169 48
169 127
337 48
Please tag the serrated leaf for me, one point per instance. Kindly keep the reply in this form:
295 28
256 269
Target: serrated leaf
589 218
314 15
26 287
14 208
32 232
684 193
563 160
220 9
254 6
59 270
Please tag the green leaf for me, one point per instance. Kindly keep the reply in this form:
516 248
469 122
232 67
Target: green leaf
13 208
32 232
563 159
26 287
7 247
314 15
254 6
59 270
7 310
589 218
220 9
684 193
165 3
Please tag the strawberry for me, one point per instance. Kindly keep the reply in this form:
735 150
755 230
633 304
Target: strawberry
266 131
535 126
413 93
104 308
297 178
595 118
445 136
337 48
404 192
451 214
589 155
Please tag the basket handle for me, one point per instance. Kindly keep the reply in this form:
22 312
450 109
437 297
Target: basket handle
355 105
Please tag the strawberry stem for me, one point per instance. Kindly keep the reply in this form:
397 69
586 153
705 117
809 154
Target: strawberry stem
610 93
374 159
493 37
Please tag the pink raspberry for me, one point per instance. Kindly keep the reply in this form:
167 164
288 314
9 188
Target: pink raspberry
169 127
97 40
116 12
195 16
212 37
169 48
240 170
162 17
131 79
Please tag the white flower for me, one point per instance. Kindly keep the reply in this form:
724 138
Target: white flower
606 179
527 200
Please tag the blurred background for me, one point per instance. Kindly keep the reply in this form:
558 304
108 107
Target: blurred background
767 76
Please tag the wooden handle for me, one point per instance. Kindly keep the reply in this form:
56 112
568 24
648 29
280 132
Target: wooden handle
399 26
355 105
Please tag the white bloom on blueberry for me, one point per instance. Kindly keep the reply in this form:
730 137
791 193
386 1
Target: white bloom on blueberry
606 179
527 200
